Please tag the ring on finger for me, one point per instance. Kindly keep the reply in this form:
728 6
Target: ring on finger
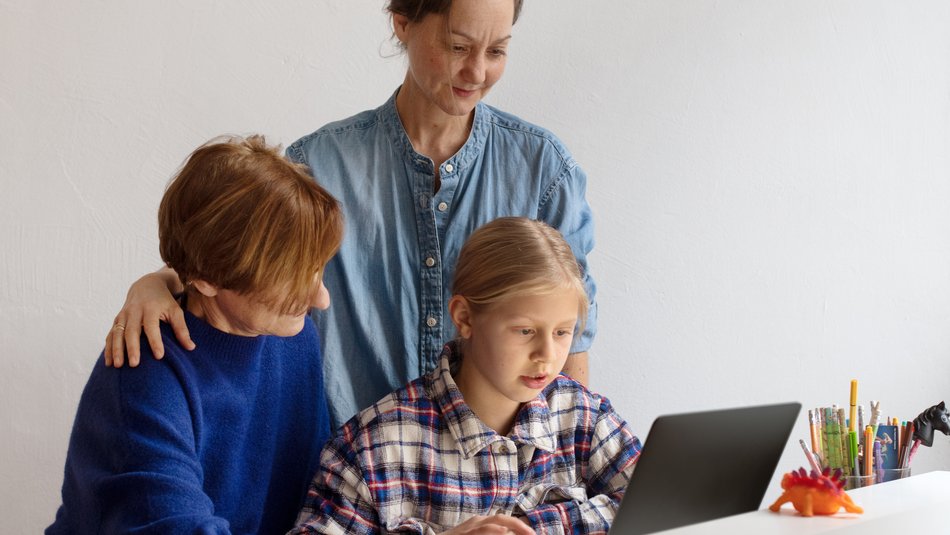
118 327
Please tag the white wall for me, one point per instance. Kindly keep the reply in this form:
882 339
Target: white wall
771 182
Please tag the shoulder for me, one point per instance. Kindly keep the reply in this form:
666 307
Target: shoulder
334 132
404 414
568 399
119 406
507 124
585 417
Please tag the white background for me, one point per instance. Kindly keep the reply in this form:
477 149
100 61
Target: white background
770 180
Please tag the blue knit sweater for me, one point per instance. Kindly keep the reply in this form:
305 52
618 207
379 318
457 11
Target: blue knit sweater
222 439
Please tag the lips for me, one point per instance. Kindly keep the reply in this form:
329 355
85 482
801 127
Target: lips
536 382
463 93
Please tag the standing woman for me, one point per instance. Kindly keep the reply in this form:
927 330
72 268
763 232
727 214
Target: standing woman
415 177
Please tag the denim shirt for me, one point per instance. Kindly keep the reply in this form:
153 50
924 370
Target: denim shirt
390 282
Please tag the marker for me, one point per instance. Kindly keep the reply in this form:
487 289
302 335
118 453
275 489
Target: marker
853 449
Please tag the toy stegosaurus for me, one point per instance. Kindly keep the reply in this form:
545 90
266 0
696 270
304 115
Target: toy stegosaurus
815 494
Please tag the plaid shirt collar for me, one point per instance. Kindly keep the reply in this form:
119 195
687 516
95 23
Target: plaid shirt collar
532 423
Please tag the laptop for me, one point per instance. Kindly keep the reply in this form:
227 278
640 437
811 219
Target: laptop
704 465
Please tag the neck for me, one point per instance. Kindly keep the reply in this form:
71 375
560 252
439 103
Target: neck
204 308
493 409
194 303
432 132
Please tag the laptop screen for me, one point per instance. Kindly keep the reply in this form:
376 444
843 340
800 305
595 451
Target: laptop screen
704 465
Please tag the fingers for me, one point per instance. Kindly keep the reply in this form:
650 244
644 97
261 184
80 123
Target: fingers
502 524
153 332
130 336
177 321
107 352
115 350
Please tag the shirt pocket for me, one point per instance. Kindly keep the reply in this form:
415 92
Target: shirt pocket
551 493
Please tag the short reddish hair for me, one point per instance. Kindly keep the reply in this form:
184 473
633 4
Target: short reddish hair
242 217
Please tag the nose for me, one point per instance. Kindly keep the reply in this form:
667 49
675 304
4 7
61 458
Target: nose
473 68
321 298
546 350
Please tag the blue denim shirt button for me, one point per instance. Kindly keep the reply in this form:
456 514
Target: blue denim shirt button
430 261
449 168
443 206
432 322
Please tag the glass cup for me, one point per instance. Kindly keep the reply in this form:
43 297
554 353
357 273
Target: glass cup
890 474
858 481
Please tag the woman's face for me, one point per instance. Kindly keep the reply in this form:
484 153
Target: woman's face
454 63
245 315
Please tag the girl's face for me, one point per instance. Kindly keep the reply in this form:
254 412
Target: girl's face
453 64
512 349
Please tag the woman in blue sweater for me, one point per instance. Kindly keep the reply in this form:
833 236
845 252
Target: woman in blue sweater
224 438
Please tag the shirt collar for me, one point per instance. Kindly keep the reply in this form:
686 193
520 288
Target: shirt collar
388 115
532 424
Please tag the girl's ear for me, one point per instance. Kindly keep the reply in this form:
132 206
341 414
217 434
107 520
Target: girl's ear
205 288
461 313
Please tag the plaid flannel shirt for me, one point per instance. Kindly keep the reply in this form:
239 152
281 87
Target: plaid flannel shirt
420 461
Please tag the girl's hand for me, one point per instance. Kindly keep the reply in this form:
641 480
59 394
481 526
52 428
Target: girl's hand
148 302
500 524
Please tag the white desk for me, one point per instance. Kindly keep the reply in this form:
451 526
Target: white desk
889 509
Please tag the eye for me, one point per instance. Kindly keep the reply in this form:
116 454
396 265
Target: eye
459 49
563 332
526 332
498 52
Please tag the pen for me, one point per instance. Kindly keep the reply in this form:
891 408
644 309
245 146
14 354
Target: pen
811 458
854 402
908 438
899 439
878 463
875 416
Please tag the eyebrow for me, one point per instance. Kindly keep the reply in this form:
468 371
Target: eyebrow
470 38
529 320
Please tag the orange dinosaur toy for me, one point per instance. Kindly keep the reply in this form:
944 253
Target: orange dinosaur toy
815 494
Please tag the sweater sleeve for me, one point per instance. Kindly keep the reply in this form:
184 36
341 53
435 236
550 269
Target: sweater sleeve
132 465
614 451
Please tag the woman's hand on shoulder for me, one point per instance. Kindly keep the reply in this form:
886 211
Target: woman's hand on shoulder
148 302
501 524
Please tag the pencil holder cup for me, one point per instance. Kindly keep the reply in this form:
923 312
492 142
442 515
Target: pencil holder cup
890 474
856 482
